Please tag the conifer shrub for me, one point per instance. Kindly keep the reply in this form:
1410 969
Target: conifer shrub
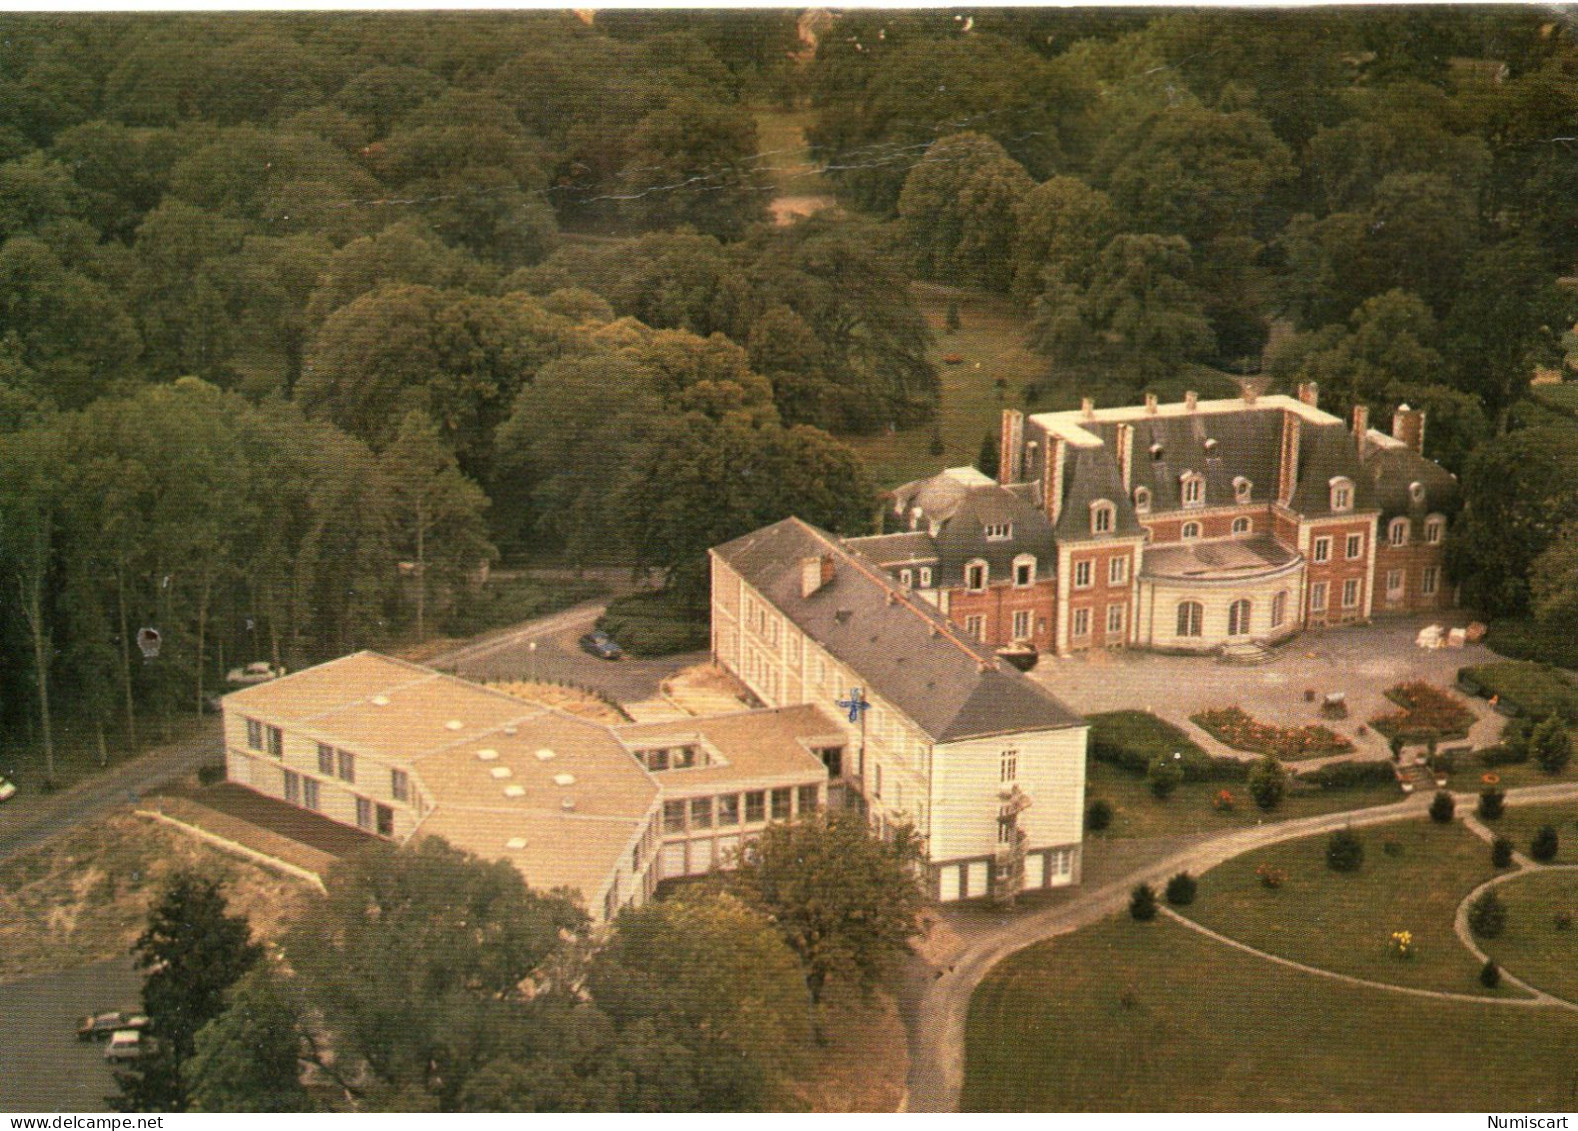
1098 815
1344 851
1181 889
1544 844
1491 803
1490 975
1500 852
1142 903
1487 915
1442 807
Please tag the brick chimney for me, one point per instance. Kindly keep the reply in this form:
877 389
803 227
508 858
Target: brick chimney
815 573
1052 479
1361 426
1191 400
1125 454
1010 446
1150 404
1087 408
1408 425
1288 466
1309 393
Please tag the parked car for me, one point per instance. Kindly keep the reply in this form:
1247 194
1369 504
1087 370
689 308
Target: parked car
7 788
129 1044
103 1024
601 645
259 672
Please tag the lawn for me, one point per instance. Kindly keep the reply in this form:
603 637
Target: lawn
990 345
1190 809
1533 948
1342 921
1518 822
1124 1016
780 139
1537 690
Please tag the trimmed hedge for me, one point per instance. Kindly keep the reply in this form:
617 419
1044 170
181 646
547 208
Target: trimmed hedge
1524 688
1503 756
1527 639
1351 773
1132 740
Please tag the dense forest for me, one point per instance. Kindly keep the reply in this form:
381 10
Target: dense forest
306 318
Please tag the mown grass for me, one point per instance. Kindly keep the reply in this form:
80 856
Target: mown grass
1138 814
1124 1016
1533 947
1343 921
1518 824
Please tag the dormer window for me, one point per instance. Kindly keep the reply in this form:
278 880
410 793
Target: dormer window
1397 532
999 531
1024 571
1416 492
1193 486
1142 499
1435 525
1341 493
1210 446
1156 453
1101 515
975 576
1241 488
906 578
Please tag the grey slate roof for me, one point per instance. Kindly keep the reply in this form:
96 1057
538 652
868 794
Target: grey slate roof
1247 444
1390 471
962 513
1325 452
905 650
1229 560
1090 474
895 549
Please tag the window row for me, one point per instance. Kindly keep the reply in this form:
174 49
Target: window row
268 739
307 792
911 578
1400 530
1079 621
1352 590
977 573
1085 572
724 811
1240 616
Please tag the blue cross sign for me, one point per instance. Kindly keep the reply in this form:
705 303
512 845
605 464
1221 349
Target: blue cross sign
855 704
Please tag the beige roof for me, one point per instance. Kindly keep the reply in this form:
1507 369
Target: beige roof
561 850
335 684
769 745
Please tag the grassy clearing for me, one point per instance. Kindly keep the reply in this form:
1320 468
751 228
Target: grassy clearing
1537 690
786 156
1342 921
990 346
84 896
1518 823
1190 809
1153 1017
1533 947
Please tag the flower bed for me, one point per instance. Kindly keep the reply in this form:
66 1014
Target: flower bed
1427 712
1230 725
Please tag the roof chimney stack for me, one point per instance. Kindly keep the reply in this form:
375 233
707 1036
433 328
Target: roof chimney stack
815 573
1309 393
1150 404
1087 408
1408 425
1361 426
1191 400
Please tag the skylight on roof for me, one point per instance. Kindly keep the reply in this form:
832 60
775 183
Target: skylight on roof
454 724
545 755
501 772
563 779
487 755
514 791
516 843
380 700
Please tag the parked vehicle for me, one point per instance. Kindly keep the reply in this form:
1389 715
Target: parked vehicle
7 788
103 1024
260 671
601 645
129 1044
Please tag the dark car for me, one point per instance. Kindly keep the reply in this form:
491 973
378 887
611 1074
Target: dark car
601 645
99 1025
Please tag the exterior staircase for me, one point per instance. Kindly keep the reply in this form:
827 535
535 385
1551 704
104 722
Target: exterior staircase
1246 652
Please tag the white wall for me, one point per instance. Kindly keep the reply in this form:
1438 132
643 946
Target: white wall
966 784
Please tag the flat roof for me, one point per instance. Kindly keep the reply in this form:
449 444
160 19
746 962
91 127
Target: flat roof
1229 559
1070 424
765 745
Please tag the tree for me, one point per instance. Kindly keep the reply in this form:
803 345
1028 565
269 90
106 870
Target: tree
1545 844
1442 807
411 961
1550 745
692 162
1268 783
248 1057
715 975
192 951
1142 903
1344 851
1163 776
1516 488
1487 915
1140 314
844 900
436 511
1060 227
957 211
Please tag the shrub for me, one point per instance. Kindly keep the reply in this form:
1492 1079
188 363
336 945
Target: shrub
1544 844
1491 803
1181 889
1351 773
656 624
1490 975
1098 816
1142 903
1550 746
210 775
1487 915
1224 801
1563 920
1270 877
1344 851
1401 944
1163 776
1442 807
1500 852
1132 740
1268 783
1504 755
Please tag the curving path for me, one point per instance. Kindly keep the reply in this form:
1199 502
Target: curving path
937 1019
